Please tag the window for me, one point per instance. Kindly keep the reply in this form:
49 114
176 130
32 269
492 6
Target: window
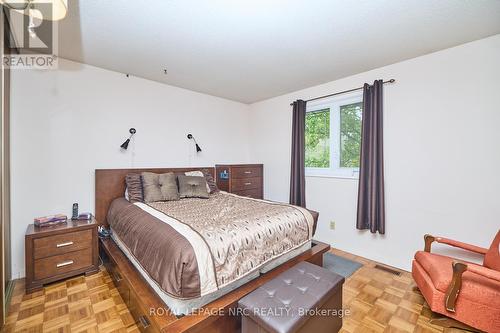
318 138
333 136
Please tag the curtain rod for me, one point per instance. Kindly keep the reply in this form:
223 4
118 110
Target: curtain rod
343 92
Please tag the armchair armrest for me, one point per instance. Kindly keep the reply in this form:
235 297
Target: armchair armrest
484 271
456 281
429 239
455 286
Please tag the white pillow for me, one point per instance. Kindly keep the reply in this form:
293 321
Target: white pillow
197 174
126 194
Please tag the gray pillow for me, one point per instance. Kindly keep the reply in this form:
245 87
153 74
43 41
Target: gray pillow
159 187
212 184
134 187
192 187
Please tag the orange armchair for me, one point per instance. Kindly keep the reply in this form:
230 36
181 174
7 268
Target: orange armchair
465 291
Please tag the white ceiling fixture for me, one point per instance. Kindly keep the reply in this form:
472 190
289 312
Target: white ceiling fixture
52 10
250 50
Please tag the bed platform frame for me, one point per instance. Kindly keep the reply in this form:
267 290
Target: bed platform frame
148 310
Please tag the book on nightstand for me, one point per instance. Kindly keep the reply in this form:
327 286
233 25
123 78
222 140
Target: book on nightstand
46 221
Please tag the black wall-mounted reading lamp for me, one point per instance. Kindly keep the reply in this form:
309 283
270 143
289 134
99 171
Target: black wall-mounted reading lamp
124 145
191 137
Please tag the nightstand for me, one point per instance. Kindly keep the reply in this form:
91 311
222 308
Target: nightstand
241 179
59 252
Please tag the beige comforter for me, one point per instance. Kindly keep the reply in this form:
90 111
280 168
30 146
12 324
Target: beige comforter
239 234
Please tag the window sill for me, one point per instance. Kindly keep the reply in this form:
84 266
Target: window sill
332 176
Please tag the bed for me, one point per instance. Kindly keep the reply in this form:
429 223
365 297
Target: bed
219 249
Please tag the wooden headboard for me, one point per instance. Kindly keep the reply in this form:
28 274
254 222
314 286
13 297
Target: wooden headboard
110 184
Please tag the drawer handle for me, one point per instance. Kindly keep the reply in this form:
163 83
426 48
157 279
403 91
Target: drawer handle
248 172
248 183
64 244
144 321
66 263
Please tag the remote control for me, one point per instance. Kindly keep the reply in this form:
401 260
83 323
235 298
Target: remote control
74 215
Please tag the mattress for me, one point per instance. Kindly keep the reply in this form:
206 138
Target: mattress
194 250
183 307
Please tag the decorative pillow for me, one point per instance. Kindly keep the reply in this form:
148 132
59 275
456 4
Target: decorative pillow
134 187
210 181
211 185
197 174
192 187
159 187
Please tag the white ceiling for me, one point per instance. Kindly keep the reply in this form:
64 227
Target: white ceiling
250 50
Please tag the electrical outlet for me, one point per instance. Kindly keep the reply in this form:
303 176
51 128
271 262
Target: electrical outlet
332 225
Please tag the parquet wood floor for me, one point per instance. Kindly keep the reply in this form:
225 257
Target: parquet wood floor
381 302
80 304
378 301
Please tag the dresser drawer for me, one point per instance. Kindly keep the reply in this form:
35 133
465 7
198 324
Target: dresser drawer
63 263
246 183
118 281
246 172
59 244
255 193
143 320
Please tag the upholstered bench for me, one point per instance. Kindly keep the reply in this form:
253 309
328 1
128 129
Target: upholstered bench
305 298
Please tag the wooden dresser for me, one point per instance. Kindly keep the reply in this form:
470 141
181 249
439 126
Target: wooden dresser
58 252
241 179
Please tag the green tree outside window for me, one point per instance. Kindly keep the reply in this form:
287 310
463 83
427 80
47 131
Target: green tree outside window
350 135
317 139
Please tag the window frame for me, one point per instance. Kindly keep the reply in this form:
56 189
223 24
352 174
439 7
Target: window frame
334 103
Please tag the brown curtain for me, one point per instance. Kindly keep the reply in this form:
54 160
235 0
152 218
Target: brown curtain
371 211
297 177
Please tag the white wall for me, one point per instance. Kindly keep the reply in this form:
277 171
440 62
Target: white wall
441 145
442 154
68 122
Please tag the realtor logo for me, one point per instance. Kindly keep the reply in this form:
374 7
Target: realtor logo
31 37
